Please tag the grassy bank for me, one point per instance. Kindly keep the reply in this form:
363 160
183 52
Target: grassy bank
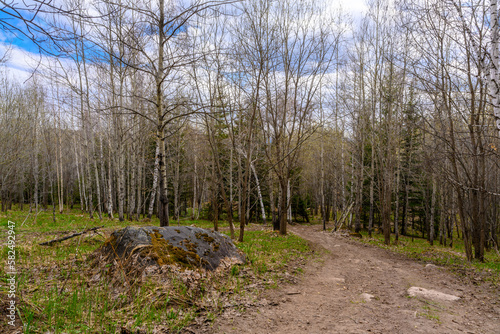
60 291
452 257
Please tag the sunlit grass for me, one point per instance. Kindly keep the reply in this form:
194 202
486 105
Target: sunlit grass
268 251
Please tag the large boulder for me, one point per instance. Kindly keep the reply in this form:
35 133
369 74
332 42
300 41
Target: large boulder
185 246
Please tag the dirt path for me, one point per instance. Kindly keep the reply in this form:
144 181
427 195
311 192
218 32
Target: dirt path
328 297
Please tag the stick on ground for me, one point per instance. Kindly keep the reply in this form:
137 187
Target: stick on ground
48 243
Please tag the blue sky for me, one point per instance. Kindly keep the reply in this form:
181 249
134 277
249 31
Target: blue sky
16 37
21 52
24 55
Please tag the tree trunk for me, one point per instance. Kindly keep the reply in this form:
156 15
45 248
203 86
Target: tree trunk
81 187
110 181
177 164
140 185
289 202
195 189
396 212
163 205
155 180
322 178
359 192
60 175
283 206
494 69
272 206
259 193
433 210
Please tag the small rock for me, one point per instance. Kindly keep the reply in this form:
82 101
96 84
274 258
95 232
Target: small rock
367 297
430 266
337 280
430 294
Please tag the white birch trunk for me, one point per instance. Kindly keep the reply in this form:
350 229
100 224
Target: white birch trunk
155 181
98 188
59 169
35 166
81 185
176 179
271 198
288 202
110 181
103 174
139 183
133 181
263 210
494 70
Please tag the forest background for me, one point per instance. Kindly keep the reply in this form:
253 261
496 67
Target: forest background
263 111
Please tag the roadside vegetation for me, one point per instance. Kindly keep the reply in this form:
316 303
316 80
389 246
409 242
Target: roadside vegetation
452 255
59 290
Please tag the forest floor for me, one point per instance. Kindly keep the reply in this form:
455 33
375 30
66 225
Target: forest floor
328 298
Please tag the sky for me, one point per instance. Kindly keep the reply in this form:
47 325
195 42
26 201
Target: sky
22 55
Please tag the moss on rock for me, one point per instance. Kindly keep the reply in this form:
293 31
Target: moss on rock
186 247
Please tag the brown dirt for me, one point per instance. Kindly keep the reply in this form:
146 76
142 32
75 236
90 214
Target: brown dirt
327 297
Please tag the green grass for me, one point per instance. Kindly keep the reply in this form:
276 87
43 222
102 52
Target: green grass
57 292
269 252
453 257
429 313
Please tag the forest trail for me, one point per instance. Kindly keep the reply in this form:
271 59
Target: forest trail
328 296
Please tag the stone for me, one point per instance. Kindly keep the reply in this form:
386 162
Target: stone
431 294
367 297
337 280
186 246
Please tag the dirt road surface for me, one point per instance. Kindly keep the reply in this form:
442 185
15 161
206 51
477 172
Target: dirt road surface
328 297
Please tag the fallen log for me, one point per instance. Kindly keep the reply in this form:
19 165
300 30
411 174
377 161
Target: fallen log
48 243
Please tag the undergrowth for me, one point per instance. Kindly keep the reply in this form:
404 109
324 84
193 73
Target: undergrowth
59 293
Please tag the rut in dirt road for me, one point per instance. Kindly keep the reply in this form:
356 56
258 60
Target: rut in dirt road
363 289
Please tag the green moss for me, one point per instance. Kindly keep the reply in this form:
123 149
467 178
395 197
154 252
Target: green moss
190 246
165 253
205 237
208 239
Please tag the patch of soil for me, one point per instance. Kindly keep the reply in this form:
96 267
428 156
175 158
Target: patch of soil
331 296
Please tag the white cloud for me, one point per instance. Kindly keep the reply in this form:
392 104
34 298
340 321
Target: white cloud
21 64
352 7
18 66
